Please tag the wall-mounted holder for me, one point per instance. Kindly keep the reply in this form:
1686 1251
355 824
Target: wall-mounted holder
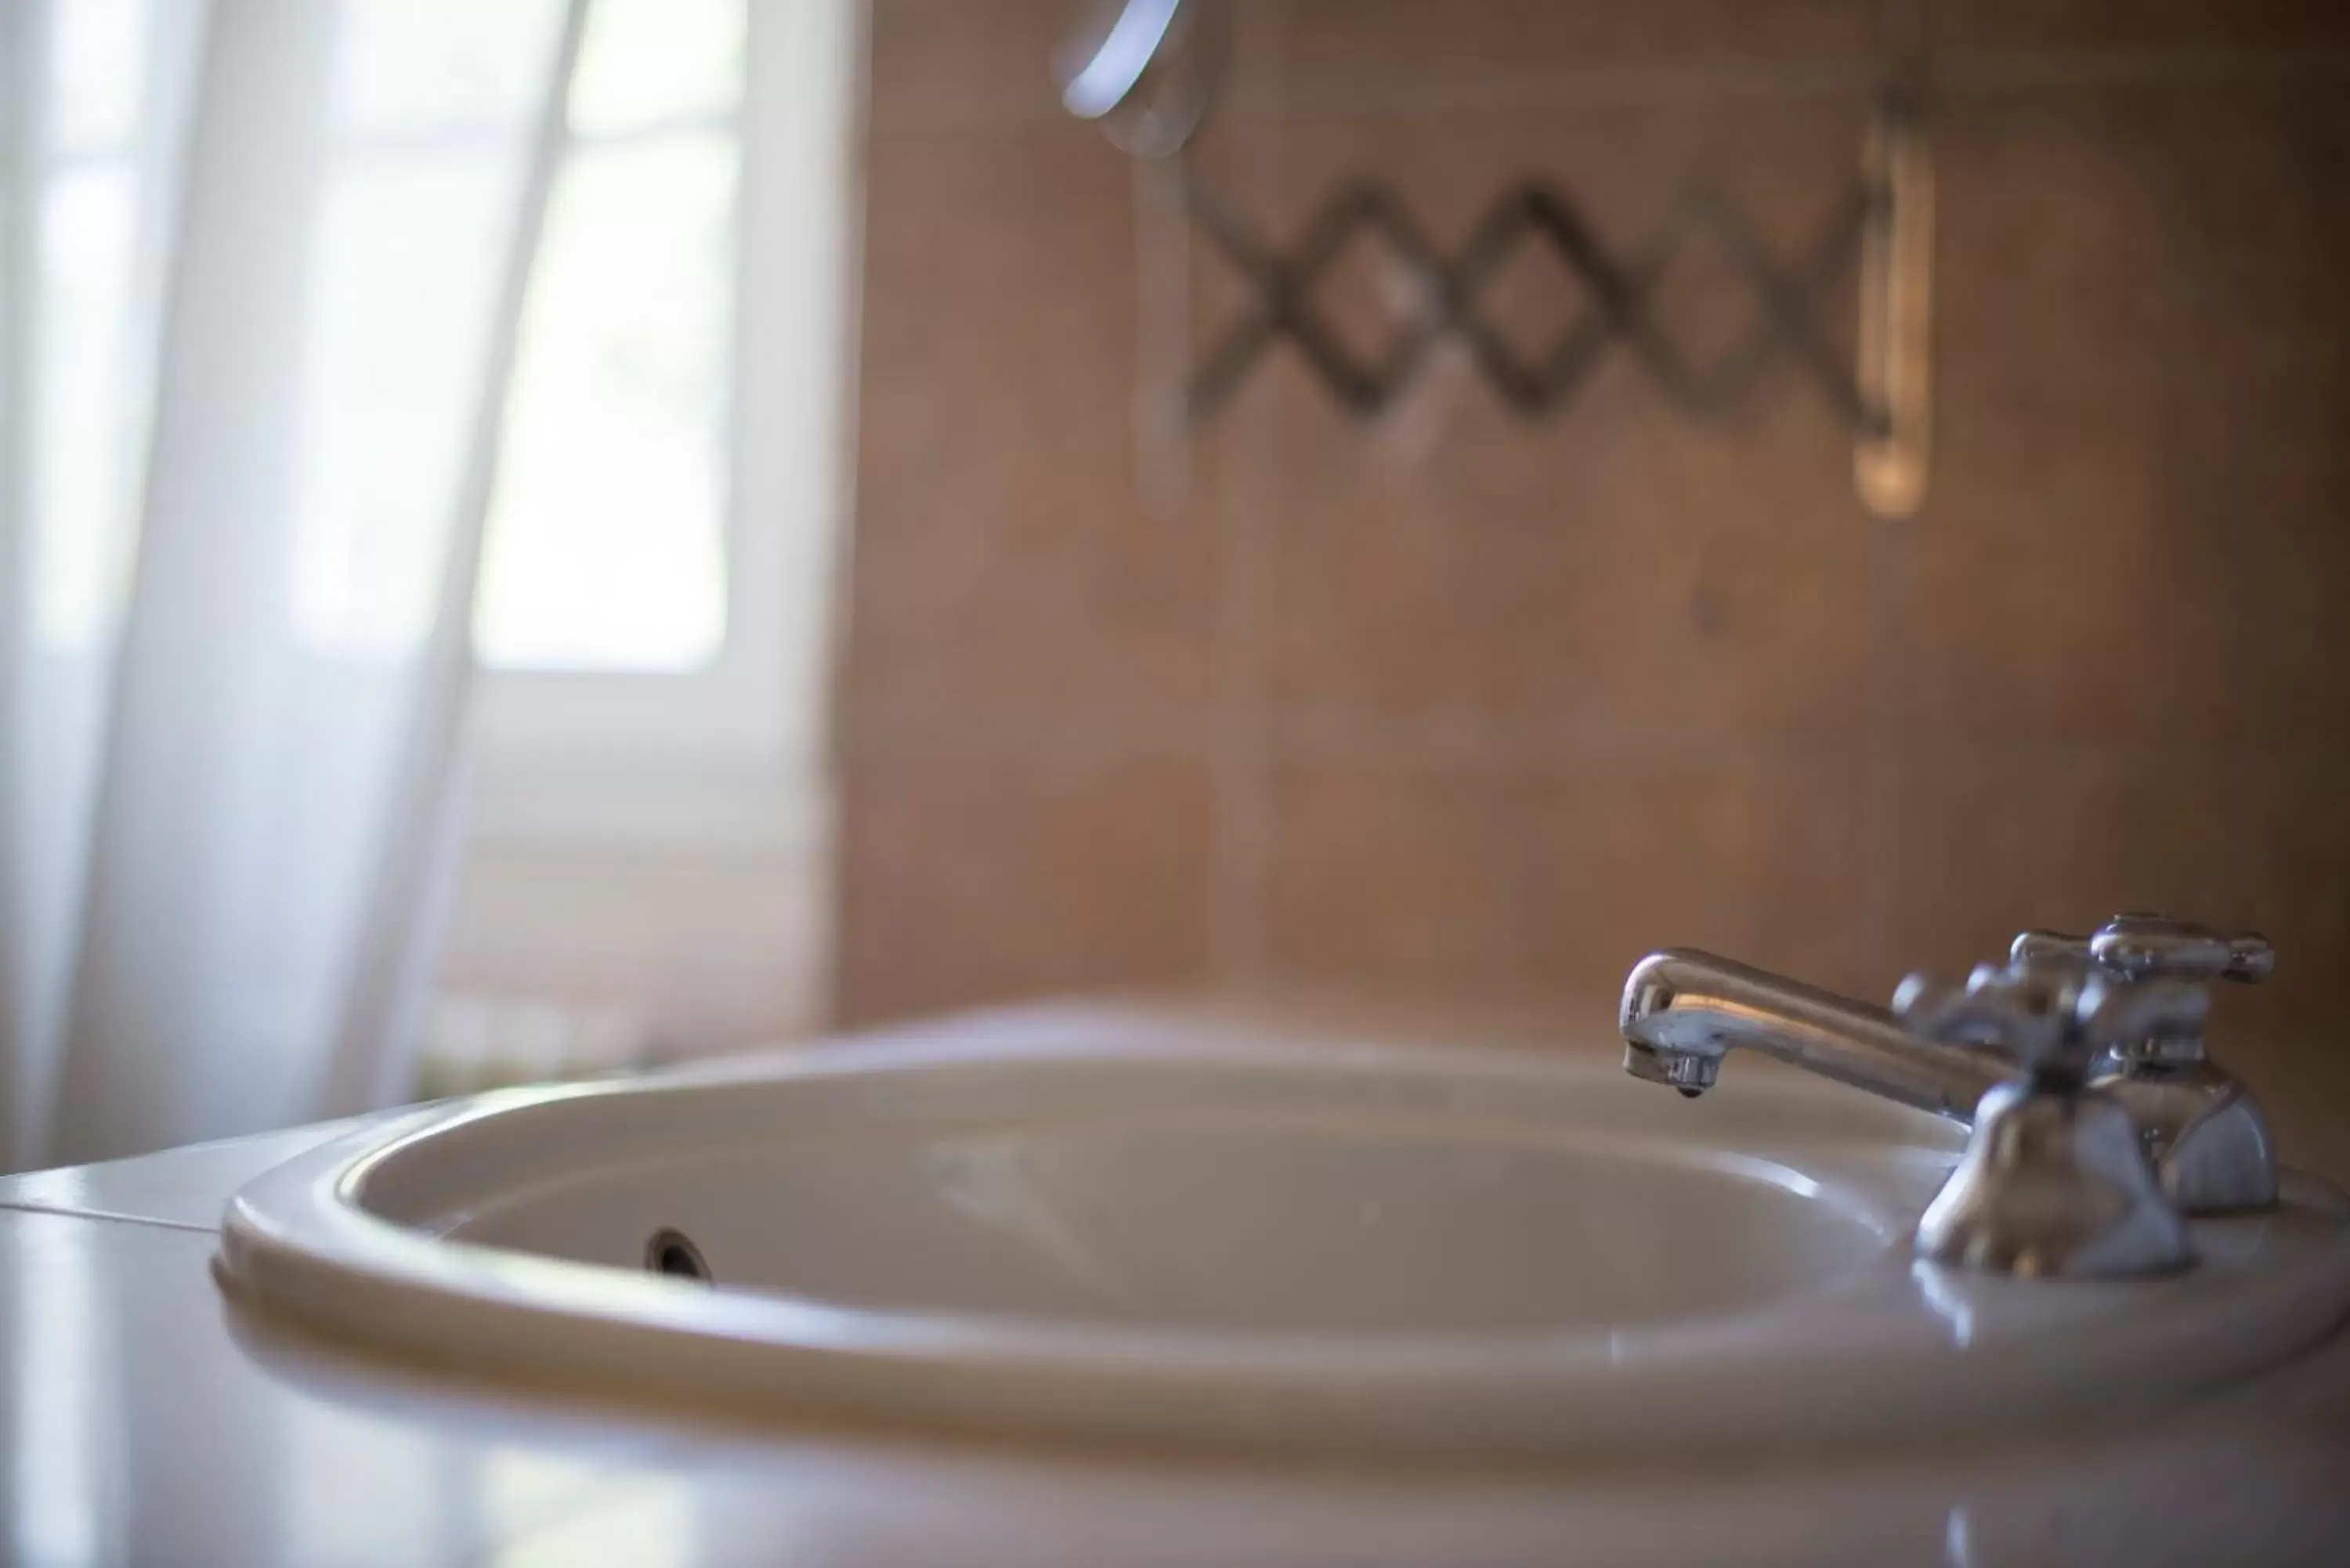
1448 290
1147 70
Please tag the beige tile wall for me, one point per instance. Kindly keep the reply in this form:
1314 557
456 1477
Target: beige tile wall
1464 702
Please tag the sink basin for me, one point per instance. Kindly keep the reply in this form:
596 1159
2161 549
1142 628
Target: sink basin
1243 1241
1210 1221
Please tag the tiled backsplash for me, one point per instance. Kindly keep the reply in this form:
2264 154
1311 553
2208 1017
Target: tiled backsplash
1462 702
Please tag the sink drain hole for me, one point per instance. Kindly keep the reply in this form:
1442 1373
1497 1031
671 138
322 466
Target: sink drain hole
672 1253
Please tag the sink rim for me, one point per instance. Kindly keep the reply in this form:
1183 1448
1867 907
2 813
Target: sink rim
301 1240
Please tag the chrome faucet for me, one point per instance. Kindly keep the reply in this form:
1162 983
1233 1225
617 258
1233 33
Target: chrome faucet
2057 1178
2203 1128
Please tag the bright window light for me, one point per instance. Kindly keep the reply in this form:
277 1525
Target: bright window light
606 548
611 536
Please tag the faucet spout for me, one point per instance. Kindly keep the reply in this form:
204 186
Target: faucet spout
1684 1009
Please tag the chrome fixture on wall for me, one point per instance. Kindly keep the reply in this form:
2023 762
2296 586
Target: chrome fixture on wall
1148 70
1145 70
2080 1064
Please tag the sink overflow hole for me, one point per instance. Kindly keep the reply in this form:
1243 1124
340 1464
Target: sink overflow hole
673 1253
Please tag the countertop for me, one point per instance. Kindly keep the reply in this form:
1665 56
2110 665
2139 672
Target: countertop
150 1421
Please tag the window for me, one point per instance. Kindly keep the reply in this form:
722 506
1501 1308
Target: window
653 614
650 828
651 617
606 548
649 814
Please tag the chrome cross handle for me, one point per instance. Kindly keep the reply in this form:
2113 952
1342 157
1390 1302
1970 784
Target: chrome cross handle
2155 946
2021 1009
2152 947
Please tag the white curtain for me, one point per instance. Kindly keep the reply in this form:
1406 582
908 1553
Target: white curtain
262 261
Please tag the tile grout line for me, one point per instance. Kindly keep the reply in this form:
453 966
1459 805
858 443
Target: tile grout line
1242 809
1379 93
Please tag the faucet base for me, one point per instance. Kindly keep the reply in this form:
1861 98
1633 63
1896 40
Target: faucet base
2205 1134
2055 1185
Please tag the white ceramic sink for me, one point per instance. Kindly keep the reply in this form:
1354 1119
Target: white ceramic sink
1248 1242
